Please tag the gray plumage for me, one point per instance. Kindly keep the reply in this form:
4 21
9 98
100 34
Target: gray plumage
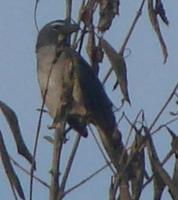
72 83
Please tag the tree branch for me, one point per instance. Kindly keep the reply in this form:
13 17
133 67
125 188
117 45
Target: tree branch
121 51
86 179
59 137
68 167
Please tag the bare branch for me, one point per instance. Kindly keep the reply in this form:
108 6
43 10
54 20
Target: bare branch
163 108
86 179
39 127
69 165
35 15
101 150
28 173
121 51
68 9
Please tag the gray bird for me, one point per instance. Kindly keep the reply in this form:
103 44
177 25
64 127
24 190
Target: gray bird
73 87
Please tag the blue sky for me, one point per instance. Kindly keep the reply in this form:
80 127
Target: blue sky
150 83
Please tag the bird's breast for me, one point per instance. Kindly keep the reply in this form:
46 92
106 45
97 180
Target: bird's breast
59 76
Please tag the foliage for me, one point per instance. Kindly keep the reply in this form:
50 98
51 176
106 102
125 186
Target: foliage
127 163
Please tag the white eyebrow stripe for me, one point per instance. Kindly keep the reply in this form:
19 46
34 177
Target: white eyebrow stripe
57 23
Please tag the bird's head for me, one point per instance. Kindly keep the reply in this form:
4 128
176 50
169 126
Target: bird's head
55 32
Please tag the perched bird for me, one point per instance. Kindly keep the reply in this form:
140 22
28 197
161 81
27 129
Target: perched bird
73 89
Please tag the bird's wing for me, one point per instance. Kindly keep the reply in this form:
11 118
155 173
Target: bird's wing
95 98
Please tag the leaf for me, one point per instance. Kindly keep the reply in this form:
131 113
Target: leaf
161 11
166 178
174 145
161 177
86 13
119 66
15 128
49 139
175 173
138 167
12 176
154 21
108 10
94 52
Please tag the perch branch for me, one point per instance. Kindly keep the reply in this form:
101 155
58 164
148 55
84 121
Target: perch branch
59 136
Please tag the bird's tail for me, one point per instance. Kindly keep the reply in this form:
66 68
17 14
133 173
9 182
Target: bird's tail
112 142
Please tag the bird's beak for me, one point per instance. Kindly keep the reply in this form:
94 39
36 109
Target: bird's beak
69 28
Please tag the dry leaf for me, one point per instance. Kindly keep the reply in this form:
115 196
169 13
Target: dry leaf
174 145
14 126
94 52
154 21
86 14
12 176
157 169
175 174
138 167
167 180
49 139
119 66
108 10
159 8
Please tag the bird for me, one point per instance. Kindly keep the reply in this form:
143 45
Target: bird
73 90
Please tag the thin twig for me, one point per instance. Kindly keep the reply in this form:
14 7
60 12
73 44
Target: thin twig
119 178
101 150
142 145
38 130
69 165
28 173
82 38
121 51
13 190
163 108
164 125
132 28
86 179
68 16
79 22
35 15
162 163
68 9
133 127
35 146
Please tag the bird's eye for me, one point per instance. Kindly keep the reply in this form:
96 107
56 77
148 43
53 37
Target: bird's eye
56 28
